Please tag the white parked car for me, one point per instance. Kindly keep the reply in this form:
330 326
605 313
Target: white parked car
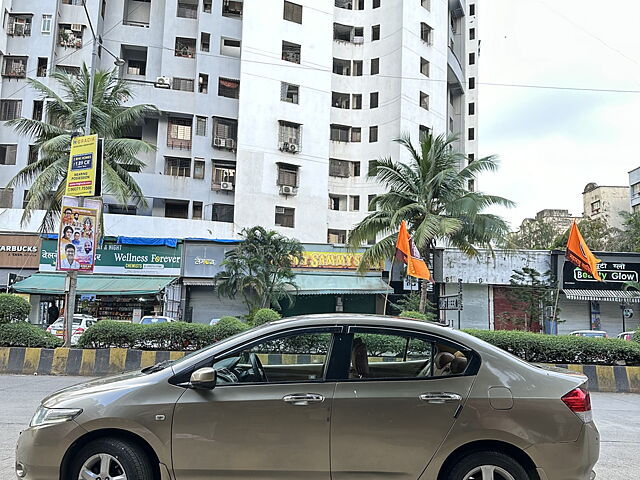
590 333
151 319
628 336
80 324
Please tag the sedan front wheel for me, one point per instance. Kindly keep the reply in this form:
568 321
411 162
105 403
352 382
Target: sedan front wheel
488 465
111 459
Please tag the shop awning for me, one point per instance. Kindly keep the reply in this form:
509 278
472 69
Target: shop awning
309 284
198 282
603 295
53 284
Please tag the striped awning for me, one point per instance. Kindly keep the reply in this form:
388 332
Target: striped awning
603 295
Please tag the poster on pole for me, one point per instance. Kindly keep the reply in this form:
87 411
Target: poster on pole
83 175
77 239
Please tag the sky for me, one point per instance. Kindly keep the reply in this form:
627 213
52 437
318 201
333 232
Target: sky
552 142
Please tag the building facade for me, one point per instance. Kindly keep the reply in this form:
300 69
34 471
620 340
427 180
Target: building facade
606 203
634 189
270 112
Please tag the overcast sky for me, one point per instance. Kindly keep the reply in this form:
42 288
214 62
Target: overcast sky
551 143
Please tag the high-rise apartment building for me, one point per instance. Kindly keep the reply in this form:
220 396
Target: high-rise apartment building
270 111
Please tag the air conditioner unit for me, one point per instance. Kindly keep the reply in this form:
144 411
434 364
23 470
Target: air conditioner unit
219 142
293 148
226 186
287 190
76 27
163 82
358 40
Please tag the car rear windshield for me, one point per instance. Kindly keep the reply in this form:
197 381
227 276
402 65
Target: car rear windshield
149 320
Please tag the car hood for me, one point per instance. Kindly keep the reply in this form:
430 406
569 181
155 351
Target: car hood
112 384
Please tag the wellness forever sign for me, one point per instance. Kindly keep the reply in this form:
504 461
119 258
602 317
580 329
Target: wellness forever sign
123 259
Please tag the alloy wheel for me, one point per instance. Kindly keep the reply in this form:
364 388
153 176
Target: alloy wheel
102 467
488 472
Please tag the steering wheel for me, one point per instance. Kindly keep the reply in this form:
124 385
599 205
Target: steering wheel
256 366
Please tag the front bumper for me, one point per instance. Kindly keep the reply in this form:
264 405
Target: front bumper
568 460
40 450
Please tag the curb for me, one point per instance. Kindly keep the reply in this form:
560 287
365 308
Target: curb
109 361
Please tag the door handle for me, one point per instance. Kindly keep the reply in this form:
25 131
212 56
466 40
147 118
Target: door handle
440 397
303 399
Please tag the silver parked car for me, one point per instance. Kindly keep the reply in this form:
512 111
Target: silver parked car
322 397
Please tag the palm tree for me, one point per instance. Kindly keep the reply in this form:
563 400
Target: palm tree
431 193
65 115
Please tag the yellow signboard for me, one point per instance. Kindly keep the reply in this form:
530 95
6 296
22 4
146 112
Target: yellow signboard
332 260
83 166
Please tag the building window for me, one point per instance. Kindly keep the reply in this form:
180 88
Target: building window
201 126
6 197
176 209
340 133
337 236
376 4
292 12
343 168
472 34
595 206
185 47
472 134
70 35
357 68
290 136
341 67
203 83
472 108
426 33
356 101
424 101
69 69
46 25
232 8
179 133
289 92
354 203
472 83
338 202
19 25
33 154
224 172
222 212
136 67
198 168
225 133
187 9
8 154
472 58
340 100
373 134
375 66
373 168
426 4
291 52
471 157
472 9
287 175
10 109
228 88
373 100
424 67
371 203
205 42
423 132
38 110
375 33
177 167
356 134
184 84
472 185
230 47
197 211
207 6
15 67
285 217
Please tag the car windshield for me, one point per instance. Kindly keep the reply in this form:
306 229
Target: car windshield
592 334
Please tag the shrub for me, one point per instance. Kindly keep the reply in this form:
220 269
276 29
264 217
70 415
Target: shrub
636 336
265 315
13 308
24 334
413 314
536 347
228 326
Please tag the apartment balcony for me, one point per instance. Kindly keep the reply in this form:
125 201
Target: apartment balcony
137 13
455 72
458 8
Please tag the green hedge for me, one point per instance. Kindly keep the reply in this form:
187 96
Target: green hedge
24 334
13 308
536 347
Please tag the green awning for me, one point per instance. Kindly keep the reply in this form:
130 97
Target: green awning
53 284
336 284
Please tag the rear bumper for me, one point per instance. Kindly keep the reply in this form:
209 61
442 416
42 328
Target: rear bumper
568 460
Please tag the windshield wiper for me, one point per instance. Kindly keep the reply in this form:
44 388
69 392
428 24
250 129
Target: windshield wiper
157 367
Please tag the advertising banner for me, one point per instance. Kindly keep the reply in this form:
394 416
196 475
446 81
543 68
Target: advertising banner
332 260
77 236
84 167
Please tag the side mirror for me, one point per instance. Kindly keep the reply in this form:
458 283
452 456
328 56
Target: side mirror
204 378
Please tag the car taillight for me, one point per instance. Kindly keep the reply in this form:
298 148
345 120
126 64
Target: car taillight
579 402
49 329
78 331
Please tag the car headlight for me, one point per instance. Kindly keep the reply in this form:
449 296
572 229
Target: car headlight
48 416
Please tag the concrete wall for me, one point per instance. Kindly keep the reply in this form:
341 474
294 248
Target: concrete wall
612 201
476 305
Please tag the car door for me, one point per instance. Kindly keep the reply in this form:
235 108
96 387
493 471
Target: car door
253 425
401 399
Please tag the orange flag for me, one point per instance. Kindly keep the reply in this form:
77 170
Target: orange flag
579 254
407 252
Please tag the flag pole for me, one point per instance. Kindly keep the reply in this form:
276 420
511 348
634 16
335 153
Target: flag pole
386 295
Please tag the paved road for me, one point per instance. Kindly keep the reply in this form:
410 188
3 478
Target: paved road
617 417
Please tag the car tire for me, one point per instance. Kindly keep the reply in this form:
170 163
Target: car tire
122 457
503 467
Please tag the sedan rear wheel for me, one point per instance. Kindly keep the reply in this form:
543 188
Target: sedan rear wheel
489 465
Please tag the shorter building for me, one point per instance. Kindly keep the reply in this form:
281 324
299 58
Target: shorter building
606 203
634 189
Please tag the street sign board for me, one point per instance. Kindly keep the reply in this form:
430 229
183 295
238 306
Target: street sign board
450 302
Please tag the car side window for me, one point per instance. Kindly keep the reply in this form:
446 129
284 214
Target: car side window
403 356
300 357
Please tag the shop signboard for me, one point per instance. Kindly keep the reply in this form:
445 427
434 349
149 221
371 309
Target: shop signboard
204 260
614 275
120 259
19 251
77 236
332 261
84 167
